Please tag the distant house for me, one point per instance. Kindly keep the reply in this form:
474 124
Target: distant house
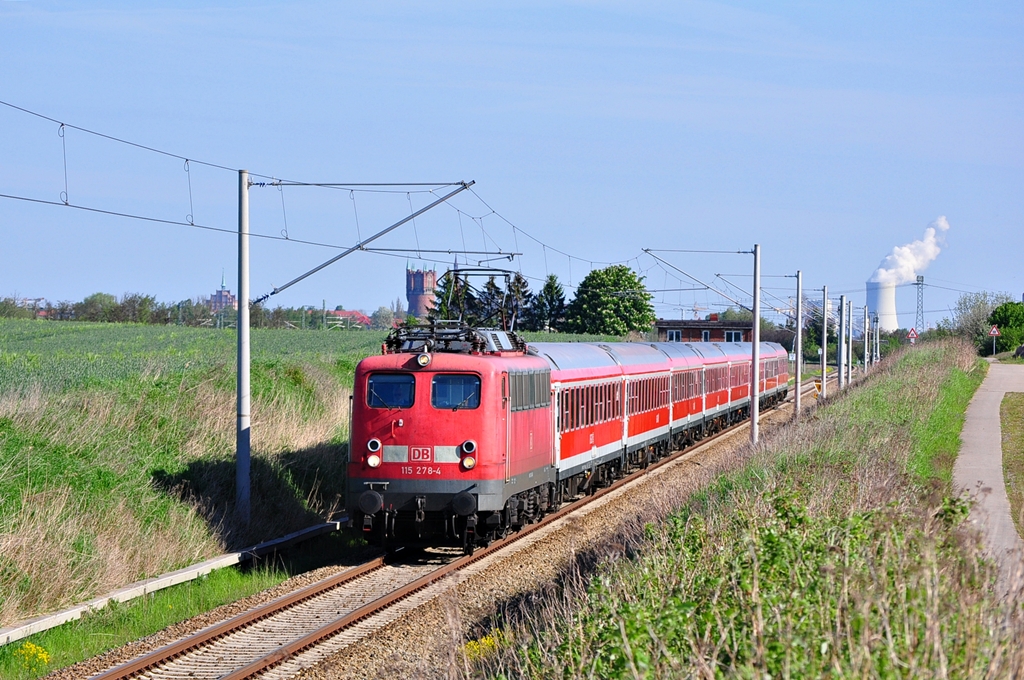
703 330
347 319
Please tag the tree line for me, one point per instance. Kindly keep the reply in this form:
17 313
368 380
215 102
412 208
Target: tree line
609 301
146 309
976 313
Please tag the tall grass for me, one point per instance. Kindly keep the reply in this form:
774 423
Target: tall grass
117 447
832 550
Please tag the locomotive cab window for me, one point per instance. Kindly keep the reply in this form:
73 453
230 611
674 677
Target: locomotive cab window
455 391
390 390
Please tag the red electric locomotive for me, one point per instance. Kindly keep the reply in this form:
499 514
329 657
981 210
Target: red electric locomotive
460 434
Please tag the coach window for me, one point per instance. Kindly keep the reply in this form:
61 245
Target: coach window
390 390
455 391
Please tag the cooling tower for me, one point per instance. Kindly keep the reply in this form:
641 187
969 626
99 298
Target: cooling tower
882 303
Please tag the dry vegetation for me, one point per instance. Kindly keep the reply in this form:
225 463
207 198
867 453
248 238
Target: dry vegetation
126 471
835 549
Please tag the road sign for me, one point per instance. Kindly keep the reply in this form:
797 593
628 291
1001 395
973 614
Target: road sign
994 332
912 335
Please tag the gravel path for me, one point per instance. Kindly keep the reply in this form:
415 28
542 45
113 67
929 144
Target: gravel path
979 467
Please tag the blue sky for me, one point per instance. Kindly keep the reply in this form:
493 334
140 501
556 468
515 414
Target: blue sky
826 133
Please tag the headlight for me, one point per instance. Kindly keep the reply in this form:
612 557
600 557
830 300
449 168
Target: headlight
468 462
423 360
373 445
469 446
373 460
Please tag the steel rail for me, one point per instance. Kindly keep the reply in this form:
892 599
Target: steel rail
288 650
219 630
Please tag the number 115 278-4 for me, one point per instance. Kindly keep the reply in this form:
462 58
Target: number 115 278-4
421 469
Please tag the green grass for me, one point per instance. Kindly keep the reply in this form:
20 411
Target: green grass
121 623
117 449
937 438
117 624
114 437
54 357
1011 415
837 551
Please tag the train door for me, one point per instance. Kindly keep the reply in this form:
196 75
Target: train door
624 409
506 413
556 426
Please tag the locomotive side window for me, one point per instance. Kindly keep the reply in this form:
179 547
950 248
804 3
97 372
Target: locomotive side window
390 390
455 391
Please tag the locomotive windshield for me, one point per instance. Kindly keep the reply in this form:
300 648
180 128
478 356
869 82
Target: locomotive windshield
455 391
390 390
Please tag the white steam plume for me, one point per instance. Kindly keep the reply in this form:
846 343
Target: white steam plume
903 264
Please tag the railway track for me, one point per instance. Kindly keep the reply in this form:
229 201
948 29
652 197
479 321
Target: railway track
280 638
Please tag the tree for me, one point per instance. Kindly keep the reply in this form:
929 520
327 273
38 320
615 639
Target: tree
96 307
398 309
10 309
135 308
547 308
383 318
971 317
1009 316
454 299
733 314
518 301
611 301
490 305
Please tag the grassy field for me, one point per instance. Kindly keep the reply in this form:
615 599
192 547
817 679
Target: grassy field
1011 415
117 441
117 452
834 550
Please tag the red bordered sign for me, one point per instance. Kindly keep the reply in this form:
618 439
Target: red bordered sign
912 335
994 333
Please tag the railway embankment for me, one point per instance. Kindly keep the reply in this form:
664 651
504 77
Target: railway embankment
116 465
116 451
837 547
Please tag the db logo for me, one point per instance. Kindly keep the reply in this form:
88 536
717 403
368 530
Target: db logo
421 454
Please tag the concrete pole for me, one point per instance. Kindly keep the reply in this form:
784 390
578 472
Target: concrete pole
840 345
242 433
824 342
755 350
878 341
798 347
849 342
866 343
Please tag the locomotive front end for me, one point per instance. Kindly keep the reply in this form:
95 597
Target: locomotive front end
426 462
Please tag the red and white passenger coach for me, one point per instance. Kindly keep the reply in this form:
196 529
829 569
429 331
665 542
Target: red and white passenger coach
460 434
